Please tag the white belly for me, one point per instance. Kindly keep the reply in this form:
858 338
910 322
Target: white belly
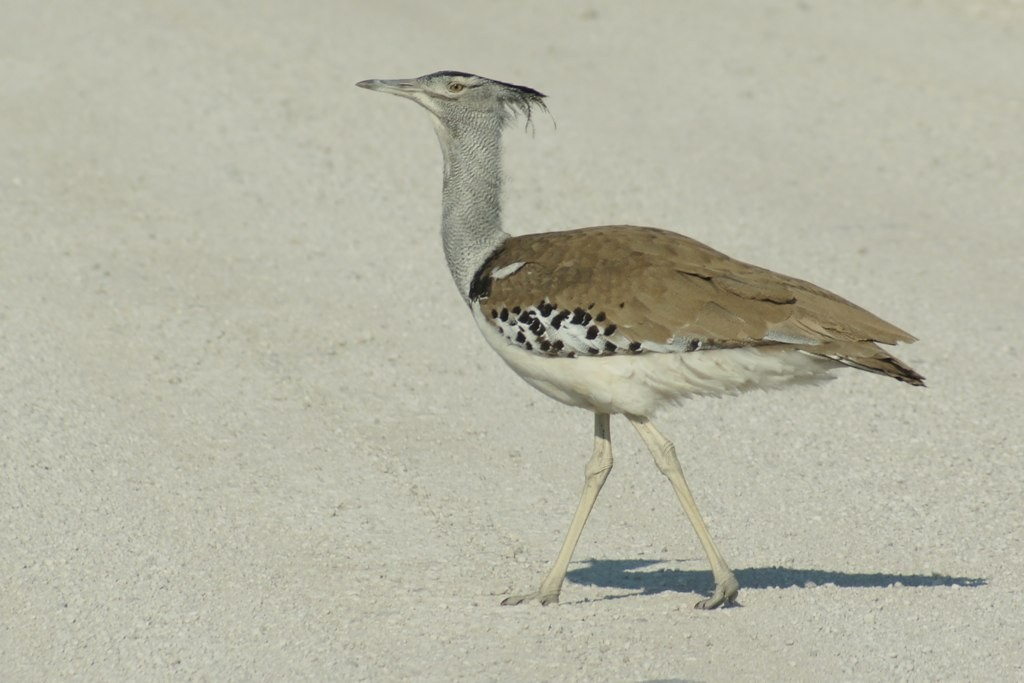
641 384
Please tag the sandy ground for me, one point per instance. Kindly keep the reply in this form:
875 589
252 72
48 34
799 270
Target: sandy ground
249 432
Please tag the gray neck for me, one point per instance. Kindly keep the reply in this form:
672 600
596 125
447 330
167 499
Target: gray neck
471 199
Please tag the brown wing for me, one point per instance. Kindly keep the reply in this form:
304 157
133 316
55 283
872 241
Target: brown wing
660 291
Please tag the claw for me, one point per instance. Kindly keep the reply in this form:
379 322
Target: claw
549 599
724 595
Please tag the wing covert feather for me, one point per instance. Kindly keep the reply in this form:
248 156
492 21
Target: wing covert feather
658 285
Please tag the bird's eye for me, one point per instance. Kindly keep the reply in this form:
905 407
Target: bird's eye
456 87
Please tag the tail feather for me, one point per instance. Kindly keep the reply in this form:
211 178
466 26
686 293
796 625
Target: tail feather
868 356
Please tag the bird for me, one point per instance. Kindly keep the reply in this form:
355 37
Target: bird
621 319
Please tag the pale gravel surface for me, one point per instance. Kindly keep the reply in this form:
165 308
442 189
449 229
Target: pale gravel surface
249 431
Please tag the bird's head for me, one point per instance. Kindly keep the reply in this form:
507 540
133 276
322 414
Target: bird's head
458 99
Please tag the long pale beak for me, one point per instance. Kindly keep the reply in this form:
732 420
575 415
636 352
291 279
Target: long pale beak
404 87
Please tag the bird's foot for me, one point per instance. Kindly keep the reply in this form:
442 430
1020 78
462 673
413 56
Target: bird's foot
725 594
536 596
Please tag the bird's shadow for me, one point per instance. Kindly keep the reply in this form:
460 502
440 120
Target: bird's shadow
639 576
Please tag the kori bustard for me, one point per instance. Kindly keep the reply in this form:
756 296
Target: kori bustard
623 319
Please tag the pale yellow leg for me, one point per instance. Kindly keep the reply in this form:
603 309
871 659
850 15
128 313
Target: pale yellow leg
726 585
598 467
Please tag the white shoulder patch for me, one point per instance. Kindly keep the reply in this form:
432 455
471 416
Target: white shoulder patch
505 271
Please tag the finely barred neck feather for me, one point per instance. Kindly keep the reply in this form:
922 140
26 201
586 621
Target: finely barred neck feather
471 226
471 142
469 113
